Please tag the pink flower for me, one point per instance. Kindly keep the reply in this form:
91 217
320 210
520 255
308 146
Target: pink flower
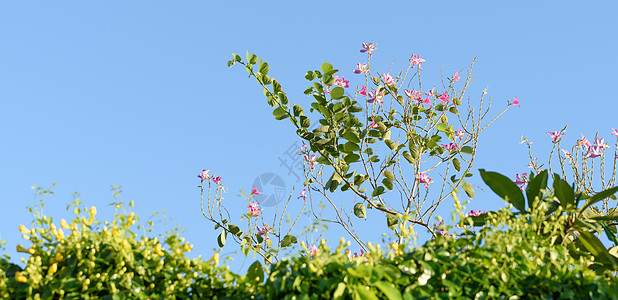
532 163
263 231
375 96
615 132
567 155
431 92
456 77
312 160
342 82
388 79
303 149
302 194
255 191
473 213
442 231
313 251
584 142
368 48
254 210
424 178
363 91
203 175
416 60
373 124
555 135
217 179
444 97
596 150
515 102
361 68
450 147
459 134
326 89
417 97
521 179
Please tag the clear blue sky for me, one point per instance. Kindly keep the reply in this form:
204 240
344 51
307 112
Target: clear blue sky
138 94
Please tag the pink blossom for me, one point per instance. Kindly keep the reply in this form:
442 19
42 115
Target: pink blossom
515 102
255 191
567 155
424 178
388 79
342 82
368 48
313 250
373 124
450 147
361 68
416 60
356 255
326 89
555 135
521 179
203 175
363 91
456 77
254 210
303 149
596 150
416 96
532 163
312 160
615 132
431 92
376 95
263 231
584 142
444 97
442 230
302 194
217 179
473 213
459 134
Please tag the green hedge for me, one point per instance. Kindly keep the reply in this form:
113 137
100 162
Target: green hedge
509 258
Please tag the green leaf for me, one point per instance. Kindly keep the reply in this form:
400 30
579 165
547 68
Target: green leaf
236 57
388 174
467 187
389 290
415 152
378 191
534 187
594 245
264 68
351 136
441 127
610 235
326 67
391 220
305 122
254 59
391 145
256 272
505 188
456 164
388 183
408 157
338 294
221 238
233 229
564 191
337 93
360 211
351 147
466 150
598 197
364 293
605 218
288 240
351 158
298 110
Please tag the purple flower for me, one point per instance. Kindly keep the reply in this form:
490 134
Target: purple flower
459 134
567 155
521 179
555 135
361 68
456 77
368 48
515 102
444 97
375 96
313 251
473 213
450 147
363 91
203 175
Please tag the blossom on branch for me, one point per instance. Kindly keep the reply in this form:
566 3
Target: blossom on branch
254 210
368 48
361 68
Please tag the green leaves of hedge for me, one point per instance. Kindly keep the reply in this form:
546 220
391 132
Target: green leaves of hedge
505 188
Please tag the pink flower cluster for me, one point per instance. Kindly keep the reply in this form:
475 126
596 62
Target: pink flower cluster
450 147
425 179
417 97
417 60
341 82
593 150
368 48
254 209
263 231
442 231
313 250
361 68
556 135
356 255
473 213
204 176
376 96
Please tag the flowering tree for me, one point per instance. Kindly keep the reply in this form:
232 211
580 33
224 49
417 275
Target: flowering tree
385 142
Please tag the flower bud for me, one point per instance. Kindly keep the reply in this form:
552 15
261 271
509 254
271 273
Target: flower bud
93 211
64 224
52 269
19 277
24 230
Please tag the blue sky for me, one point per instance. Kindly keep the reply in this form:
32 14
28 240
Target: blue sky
138 94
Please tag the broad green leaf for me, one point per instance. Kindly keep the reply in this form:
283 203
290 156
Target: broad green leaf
534 187
288 240
391 145
338 294
351 147
236 57
441 127
456 164
298 110
388 183
605 218
610 235
264 68
505 188
594 245
256 272
415 152
360 211
364 293
466 150
564 191
467 187
391 220
337 93
378 191
598 197
326 67
389 290
233 229
351 136
254 59
408 157
351 158
388 174
305 122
